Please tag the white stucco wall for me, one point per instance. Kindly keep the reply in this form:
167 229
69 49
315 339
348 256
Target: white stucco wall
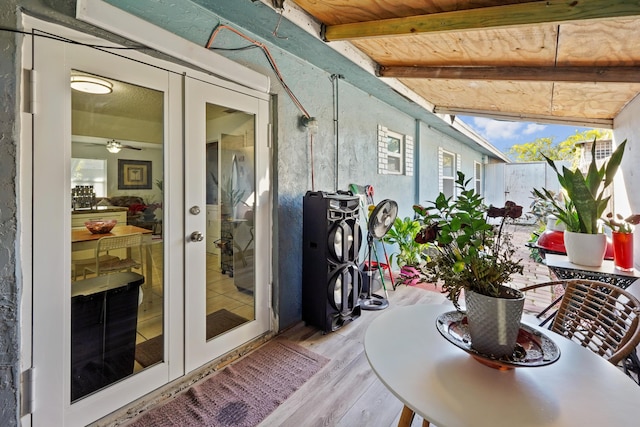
627 182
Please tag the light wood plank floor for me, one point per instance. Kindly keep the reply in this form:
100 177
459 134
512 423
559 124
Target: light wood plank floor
346 392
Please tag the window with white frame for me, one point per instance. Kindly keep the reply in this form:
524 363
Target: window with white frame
90 172
395 153
448 167
477 176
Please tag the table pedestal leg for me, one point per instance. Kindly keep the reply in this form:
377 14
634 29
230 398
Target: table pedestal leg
406 418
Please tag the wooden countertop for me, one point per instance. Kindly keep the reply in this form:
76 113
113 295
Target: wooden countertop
100 210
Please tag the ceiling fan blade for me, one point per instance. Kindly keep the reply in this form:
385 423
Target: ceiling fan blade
130 147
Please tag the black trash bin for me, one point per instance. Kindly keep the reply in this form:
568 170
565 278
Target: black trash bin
376 278
104 317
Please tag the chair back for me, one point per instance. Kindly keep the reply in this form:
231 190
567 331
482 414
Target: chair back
599 316
132 242
109 243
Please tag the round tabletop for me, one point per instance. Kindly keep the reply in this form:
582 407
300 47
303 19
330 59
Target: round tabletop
445 385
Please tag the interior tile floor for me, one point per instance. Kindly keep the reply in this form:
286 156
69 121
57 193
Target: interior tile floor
222 293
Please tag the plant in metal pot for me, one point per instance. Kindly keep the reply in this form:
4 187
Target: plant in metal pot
474 255
584 203
410 253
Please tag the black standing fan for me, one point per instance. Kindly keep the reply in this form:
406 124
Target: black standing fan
380 221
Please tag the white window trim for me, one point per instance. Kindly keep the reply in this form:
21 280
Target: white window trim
441 177
477 179
406 152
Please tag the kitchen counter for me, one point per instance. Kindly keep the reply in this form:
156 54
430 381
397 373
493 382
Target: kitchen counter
100 209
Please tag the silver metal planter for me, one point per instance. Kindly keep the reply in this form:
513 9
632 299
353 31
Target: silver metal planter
494 322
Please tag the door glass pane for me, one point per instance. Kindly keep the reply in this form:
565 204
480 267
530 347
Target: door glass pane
116 273
230 185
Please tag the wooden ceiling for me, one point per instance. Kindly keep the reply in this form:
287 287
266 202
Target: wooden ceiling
572 62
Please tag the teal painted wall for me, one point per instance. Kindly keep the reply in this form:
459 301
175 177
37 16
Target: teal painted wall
307 65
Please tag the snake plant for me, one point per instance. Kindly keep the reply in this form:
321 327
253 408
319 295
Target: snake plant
586 200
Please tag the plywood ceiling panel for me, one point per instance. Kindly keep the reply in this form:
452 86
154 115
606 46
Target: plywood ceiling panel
593 100
486 95
591 34
606 43
533 45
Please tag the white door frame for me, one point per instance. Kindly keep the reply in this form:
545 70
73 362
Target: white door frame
197 94
50 329
52 246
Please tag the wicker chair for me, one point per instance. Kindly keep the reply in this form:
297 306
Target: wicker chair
599 316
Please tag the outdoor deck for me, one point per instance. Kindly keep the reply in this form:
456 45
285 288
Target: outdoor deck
346 392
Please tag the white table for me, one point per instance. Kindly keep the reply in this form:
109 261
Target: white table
446 386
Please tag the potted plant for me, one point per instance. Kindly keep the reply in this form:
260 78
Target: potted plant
231 197
410 253
583 206
477 257
622 236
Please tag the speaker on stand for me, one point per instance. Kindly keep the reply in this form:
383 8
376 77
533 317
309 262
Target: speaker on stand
331 279
380 221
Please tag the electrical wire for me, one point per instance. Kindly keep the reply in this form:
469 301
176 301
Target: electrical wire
336 123
255 44
46 35
270 59
275 31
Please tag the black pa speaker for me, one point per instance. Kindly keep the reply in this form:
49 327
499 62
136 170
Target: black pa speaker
331 279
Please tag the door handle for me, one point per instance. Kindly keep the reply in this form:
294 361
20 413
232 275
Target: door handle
197 236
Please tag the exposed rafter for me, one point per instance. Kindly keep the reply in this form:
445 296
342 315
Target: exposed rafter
538 118
535 74
484 18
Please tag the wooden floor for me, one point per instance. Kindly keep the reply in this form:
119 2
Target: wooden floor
346 392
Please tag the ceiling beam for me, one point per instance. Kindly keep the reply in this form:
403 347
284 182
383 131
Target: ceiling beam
537 12
535 74
536 118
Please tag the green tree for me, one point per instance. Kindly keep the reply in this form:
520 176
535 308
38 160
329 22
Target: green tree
564 150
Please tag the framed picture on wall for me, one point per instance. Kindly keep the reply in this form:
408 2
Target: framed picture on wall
134 174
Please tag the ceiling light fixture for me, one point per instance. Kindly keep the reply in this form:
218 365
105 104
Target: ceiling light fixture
114 146
91 85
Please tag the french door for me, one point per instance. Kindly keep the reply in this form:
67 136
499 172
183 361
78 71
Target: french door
227 220
102 339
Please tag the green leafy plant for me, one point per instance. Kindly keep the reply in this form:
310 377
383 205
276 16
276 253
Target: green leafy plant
541 208
470 252
621 225
534 252
586 201
403 233
231 197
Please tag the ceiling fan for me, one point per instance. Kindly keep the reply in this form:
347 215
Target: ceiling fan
114 146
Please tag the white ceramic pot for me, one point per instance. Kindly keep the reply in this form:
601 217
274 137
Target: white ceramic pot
585 249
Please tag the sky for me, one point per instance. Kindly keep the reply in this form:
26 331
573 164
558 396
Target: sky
504 134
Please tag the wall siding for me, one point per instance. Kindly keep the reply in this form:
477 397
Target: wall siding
9 284
344 152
